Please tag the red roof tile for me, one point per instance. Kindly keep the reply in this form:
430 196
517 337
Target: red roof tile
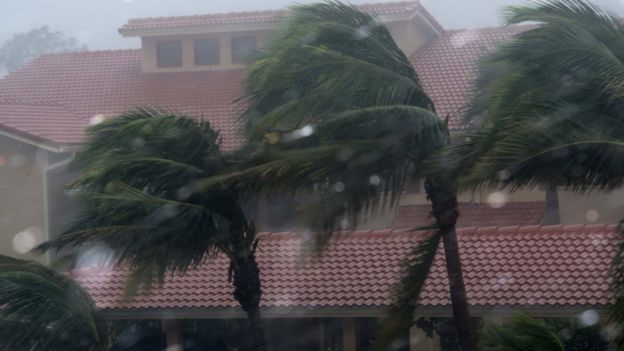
51 123
109 82
139 24
554 266
474 215
447 66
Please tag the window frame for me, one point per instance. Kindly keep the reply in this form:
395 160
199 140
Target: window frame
160 46
235 56
195 51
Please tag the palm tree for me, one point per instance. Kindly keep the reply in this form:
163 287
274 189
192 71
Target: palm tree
554 113
522 334
140 176
334 108
45 310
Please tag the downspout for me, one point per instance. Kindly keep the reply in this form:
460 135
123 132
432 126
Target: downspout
46 170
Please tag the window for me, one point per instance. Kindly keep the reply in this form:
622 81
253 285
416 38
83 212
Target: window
207 52
242 47
169 53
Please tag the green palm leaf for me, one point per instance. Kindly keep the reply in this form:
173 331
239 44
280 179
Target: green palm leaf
44 310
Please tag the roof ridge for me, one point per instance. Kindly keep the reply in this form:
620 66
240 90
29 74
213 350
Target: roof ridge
271 14
490 28
537 228
88 52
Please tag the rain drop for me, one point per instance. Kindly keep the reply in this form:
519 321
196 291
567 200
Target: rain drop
588 318
339 187
497 199
26 240
592 215
374 180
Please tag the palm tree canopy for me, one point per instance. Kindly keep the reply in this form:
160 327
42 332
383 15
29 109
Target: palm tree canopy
142 205
44 310
334 107
549 103
522 334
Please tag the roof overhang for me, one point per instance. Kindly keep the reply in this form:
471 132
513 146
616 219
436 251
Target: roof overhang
347 312
38 142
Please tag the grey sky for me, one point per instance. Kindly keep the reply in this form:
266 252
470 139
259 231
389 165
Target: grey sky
95 22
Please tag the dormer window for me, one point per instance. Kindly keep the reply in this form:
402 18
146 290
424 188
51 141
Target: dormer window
169 54
242 47
207 52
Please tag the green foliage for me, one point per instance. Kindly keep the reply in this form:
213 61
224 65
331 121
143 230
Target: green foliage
140 174
415 269
522 334
333 107
44 310
549 103
25 47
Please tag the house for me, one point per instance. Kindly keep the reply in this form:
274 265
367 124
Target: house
194 65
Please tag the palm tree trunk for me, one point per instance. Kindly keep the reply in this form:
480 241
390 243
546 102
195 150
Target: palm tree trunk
444 210
551 215
247 292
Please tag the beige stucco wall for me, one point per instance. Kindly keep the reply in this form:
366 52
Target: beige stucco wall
409 35
22 199
595 207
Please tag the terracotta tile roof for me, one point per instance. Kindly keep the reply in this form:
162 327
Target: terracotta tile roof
447 66
51 123
553 266
139 24
474 215
108 82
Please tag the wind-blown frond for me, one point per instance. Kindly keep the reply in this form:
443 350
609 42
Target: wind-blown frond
522 334
334 108
44 310
415 269
143 206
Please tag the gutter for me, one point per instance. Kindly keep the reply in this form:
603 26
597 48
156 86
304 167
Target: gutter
46 170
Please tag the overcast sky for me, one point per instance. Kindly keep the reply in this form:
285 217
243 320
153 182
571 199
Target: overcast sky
95 22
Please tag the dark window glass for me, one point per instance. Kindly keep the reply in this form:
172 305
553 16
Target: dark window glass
169 54
242 47
207 52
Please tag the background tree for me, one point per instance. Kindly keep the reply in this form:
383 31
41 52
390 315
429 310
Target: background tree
333 107
24 47
555 114
44 310
140 176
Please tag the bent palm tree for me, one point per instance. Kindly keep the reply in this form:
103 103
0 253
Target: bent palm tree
333 107
44 310
554 115
139 180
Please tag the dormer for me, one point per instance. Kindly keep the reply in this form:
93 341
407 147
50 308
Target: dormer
221 41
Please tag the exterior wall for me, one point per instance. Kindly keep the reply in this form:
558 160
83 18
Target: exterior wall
595 207
188 54
22 220
408 35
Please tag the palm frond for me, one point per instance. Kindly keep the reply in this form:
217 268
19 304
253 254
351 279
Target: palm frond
405 294
334 108
142 203
522 334
44 310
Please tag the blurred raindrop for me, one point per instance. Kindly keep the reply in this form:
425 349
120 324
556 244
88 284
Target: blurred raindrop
374 180
592 215
465 37
497 199
97 119
345 154
94 256
26 240
362 32
339 187
183 193
503 175
588 318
